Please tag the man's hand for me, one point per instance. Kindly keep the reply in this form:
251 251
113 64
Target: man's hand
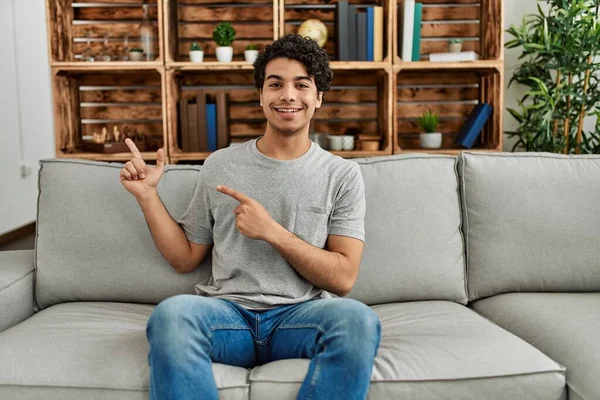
252 220
138 178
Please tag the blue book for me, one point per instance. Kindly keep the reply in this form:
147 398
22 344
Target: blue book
211 126
416 48
472 128
370 33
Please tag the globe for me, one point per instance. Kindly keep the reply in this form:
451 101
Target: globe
314 29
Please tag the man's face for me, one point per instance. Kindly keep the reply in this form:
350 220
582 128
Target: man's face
289 96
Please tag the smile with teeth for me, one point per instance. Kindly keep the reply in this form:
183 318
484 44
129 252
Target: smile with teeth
287 110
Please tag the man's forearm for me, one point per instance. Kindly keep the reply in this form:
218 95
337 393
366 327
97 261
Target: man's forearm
166 233
325 269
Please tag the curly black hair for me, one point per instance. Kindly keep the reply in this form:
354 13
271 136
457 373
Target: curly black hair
301 49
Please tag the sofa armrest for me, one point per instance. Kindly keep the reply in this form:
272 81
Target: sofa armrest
16 287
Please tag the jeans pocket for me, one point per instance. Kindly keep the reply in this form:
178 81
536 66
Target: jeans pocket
312 224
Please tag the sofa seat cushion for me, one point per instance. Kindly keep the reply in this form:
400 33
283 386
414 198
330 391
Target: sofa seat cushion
436 350
88 350
565 326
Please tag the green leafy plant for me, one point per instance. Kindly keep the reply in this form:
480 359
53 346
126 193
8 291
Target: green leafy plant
453 41
559 47
252 47
429 121
195 46
136 49
224 34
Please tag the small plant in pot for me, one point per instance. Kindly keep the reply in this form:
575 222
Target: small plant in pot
136 54
251 53
224 35
430 139
196 53
455 45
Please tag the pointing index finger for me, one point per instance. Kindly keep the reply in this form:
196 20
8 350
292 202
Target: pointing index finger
134 150
239 196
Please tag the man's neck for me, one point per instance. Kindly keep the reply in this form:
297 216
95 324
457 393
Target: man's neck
281 147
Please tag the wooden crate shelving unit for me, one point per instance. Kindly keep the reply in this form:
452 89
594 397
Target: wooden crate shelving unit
88 98
377 98
71 21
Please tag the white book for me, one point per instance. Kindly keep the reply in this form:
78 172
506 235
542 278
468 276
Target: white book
408 21
449 57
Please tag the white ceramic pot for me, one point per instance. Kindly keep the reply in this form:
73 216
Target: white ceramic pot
334 142
250 55
196 56
224 54
454 47
136 55
431 140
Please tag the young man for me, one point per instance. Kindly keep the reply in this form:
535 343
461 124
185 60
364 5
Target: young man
285 222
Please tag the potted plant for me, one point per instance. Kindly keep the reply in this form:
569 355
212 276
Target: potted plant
251 53
559 71
224 35
430 139
455 45
196 53
136 54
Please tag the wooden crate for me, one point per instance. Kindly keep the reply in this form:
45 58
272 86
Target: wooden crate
293 12
452 95
478 22
86 100
71 22
255 22
359 102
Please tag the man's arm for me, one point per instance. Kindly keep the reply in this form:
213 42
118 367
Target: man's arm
183 255
141 180
334 269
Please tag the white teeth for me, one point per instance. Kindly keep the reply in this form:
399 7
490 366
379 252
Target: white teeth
286 110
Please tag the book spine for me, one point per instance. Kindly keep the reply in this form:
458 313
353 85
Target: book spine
416 46
222 120
211 126
408 20
193 129
370 33
361 35
475 123
352 33
378 28
202 142
341 25
183 126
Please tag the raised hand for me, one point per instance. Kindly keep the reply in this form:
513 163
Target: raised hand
252 220
138 178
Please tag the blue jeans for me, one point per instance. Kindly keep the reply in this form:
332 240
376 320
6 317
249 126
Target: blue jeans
188 333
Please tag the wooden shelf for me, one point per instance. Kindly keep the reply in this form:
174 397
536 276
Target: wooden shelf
146 155
437 66
107 66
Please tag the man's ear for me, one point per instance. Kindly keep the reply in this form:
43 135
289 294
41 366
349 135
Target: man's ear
319 99
260 96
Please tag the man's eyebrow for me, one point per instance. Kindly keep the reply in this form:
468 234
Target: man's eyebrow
298 78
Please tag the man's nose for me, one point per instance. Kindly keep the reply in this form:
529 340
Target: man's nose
288 93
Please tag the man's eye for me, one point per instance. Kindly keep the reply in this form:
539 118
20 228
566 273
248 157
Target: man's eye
274 84
302 85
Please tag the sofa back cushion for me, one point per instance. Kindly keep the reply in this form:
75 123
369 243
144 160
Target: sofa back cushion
531 222
92 241
414 246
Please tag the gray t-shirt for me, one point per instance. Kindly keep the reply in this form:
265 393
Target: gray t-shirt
313 196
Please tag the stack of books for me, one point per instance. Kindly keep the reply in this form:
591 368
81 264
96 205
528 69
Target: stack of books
409 37
359 32
204 123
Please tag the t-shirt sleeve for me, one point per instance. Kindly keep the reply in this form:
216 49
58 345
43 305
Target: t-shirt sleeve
348 217
197 221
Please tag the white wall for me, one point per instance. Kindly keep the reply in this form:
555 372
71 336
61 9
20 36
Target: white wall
26 125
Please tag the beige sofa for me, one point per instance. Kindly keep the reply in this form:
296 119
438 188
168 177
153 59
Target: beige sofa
483 269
